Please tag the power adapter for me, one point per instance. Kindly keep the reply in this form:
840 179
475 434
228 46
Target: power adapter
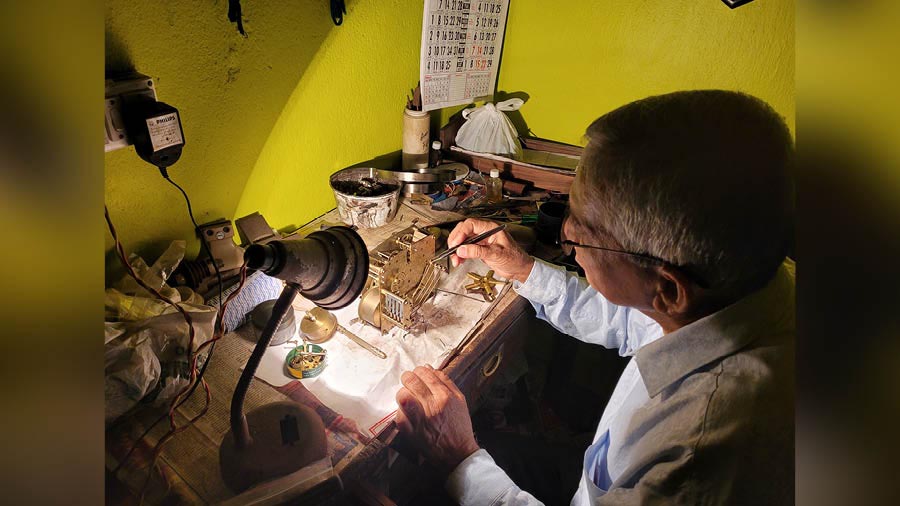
155 130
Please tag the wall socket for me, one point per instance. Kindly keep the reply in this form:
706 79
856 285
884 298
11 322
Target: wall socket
119 90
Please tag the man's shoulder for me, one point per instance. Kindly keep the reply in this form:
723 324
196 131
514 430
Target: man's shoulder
747 392
746 436
725 429
737 385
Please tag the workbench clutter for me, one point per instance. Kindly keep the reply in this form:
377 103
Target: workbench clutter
418 316
411 312
358 305
328 316
149 346
385 290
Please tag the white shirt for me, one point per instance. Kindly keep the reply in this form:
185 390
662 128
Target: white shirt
650 441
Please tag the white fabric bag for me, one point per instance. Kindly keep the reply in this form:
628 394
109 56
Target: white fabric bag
488 130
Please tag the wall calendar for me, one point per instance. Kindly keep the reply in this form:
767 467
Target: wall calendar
461 44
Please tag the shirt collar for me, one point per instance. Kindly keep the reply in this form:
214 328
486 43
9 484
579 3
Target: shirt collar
675 355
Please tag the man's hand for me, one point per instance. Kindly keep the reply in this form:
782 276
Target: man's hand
498 251
433 413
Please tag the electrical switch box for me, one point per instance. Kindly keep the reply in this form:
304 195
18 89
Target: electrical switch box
119 91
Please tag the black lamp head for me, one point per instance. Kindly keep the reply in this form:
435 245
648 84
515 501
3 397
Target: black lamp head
331 266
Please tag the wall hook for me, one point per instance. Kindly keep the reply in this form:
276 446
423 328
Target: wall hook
338 9
234 15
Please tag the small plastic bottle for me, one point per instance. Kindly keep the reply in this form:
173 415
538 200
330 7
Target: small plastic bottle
495 187
434 157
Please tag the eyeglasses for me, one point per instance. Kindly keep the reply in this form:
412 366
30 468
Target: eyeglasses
568 247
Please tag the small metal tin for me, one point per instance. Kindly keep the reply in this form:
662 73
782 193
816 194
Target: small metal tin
260 317
295 365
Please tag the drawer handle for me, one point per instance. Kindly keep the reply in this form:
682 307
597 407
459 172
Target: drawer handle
491 366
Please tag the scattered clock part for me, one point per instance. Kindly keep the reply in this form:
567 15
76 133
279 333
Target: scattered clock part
320 325
483 285
370 306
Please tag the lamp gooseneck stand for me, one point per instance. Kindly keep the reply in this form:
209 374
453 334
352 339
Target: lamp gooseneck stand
329 267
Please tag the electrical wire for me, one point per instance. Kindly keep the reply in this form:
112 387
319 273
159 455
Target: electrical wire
196 377
157 449
211 343
120 250
219 331
203 243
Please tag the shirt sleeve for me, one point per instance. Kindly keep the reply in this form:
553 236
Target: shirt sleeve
479 481
573 307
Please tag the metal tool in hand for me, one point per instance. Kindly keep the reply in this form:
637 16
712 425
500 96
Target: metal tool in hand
320 325
471 240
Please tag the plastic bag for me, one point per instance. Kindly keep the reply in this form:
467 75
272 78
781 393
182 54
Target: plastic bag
149 360
147 346
488 130
132 371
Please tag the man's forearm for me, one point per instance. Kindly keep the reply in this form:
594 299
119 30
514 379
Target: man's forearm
570 305
522 274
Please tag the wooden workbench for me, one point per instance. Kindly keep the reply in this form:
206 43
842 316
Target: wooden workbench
188 467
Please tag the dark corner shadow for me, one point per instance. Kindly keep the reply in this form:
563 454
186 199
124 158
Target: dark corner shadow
112 267
516 117
312 19
386 161
291 52
118 59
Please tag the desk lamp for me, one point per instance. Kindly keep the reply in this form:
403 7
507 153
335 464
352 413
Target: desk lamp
328 267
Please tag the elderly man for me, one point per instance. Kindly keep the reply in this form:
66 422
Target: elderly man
681 216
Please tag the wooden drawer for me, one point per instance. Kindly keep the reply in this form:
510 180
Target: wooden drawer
478 367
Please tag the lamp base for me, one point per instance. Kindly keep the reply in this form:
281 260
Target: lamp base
286 436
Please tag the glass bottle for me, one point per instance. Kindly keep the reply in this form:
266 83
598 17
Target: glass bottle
495 187
434 157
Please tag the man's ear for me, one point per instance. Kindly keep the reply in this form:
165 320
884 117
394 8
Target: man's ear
675 295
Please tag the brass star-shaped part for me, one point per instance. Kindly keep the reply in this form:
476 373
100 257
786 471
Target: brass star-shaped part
483 285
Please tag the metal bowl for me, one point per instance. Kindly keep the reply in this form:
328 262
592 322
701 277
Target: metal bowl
427 180
365 212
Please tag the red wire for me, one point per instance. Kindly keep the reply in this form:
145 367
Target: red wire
205 386
177 401
157 449
216 336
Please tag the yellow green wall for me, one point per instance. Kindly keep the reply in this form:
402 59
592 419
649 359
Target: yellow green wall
578 60
267 118
348 108
229 90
